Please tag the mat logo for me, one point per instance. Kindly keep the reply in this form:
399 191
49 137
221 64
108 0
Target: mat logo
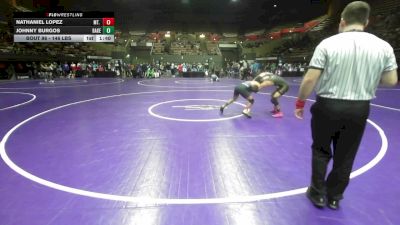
197 107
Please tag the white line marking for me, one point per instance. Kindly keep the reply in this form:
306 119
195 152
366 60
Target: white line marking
170 86
191 81
86 85
388 89
311 100
58 82
385 107
378 157
150 110
24 103
164 201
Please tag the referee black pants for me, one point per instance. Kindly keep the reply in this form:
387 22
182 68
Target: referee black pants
339 124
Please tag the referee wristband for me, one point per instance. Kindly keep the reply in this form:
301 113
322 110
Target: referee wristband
300 104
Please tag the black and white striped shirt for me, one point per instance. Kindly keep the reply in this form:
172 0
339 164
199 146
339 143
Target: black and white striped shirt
352 64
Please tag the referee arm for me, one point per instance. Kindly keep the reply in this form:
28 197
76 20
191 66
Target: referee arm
308 83
389 78
306 87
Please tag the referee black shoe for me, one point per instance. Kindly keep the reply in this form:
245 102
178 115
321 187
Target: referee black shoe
333 204
317 200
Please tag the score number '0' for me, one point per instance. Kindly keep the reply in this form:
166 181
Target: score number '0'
108 21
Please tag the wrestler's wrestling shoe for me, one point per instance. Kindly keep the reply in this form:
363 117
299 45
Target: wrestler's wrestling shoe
277 114
246 112
221 110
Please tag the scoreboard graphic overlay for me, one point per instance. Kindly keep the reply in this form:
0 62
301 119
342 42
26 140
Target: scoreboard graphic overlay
64 27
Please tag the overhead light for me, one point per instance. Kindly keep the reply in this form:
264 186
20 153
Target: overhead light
275 6
202 36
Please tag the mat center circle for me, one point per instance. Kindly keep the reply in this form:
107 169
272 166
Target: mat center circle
193 110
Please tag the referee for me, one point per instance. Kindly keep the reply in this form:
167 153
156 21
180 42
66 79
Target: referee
345 71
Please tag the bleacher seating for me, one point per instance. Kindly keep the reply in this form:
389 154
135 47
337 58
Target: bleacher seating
385 7
185 48
212 48
158 48
384 23
325 22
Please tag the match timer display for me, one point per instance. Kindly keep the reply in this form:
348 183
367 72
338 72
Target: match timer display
64 27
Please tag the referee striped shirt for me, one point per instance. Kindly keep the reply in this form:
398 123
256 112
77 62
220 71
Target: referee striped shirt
352 64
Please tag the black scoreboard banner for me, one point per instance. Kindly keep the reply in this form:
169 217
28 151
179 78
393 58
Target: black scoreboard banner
64 27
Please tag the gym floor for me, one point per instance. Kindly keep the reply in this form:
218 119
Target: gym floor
158 152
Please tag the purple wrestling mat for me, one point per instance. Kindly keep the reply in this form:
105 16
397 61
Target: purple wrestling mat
157 152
